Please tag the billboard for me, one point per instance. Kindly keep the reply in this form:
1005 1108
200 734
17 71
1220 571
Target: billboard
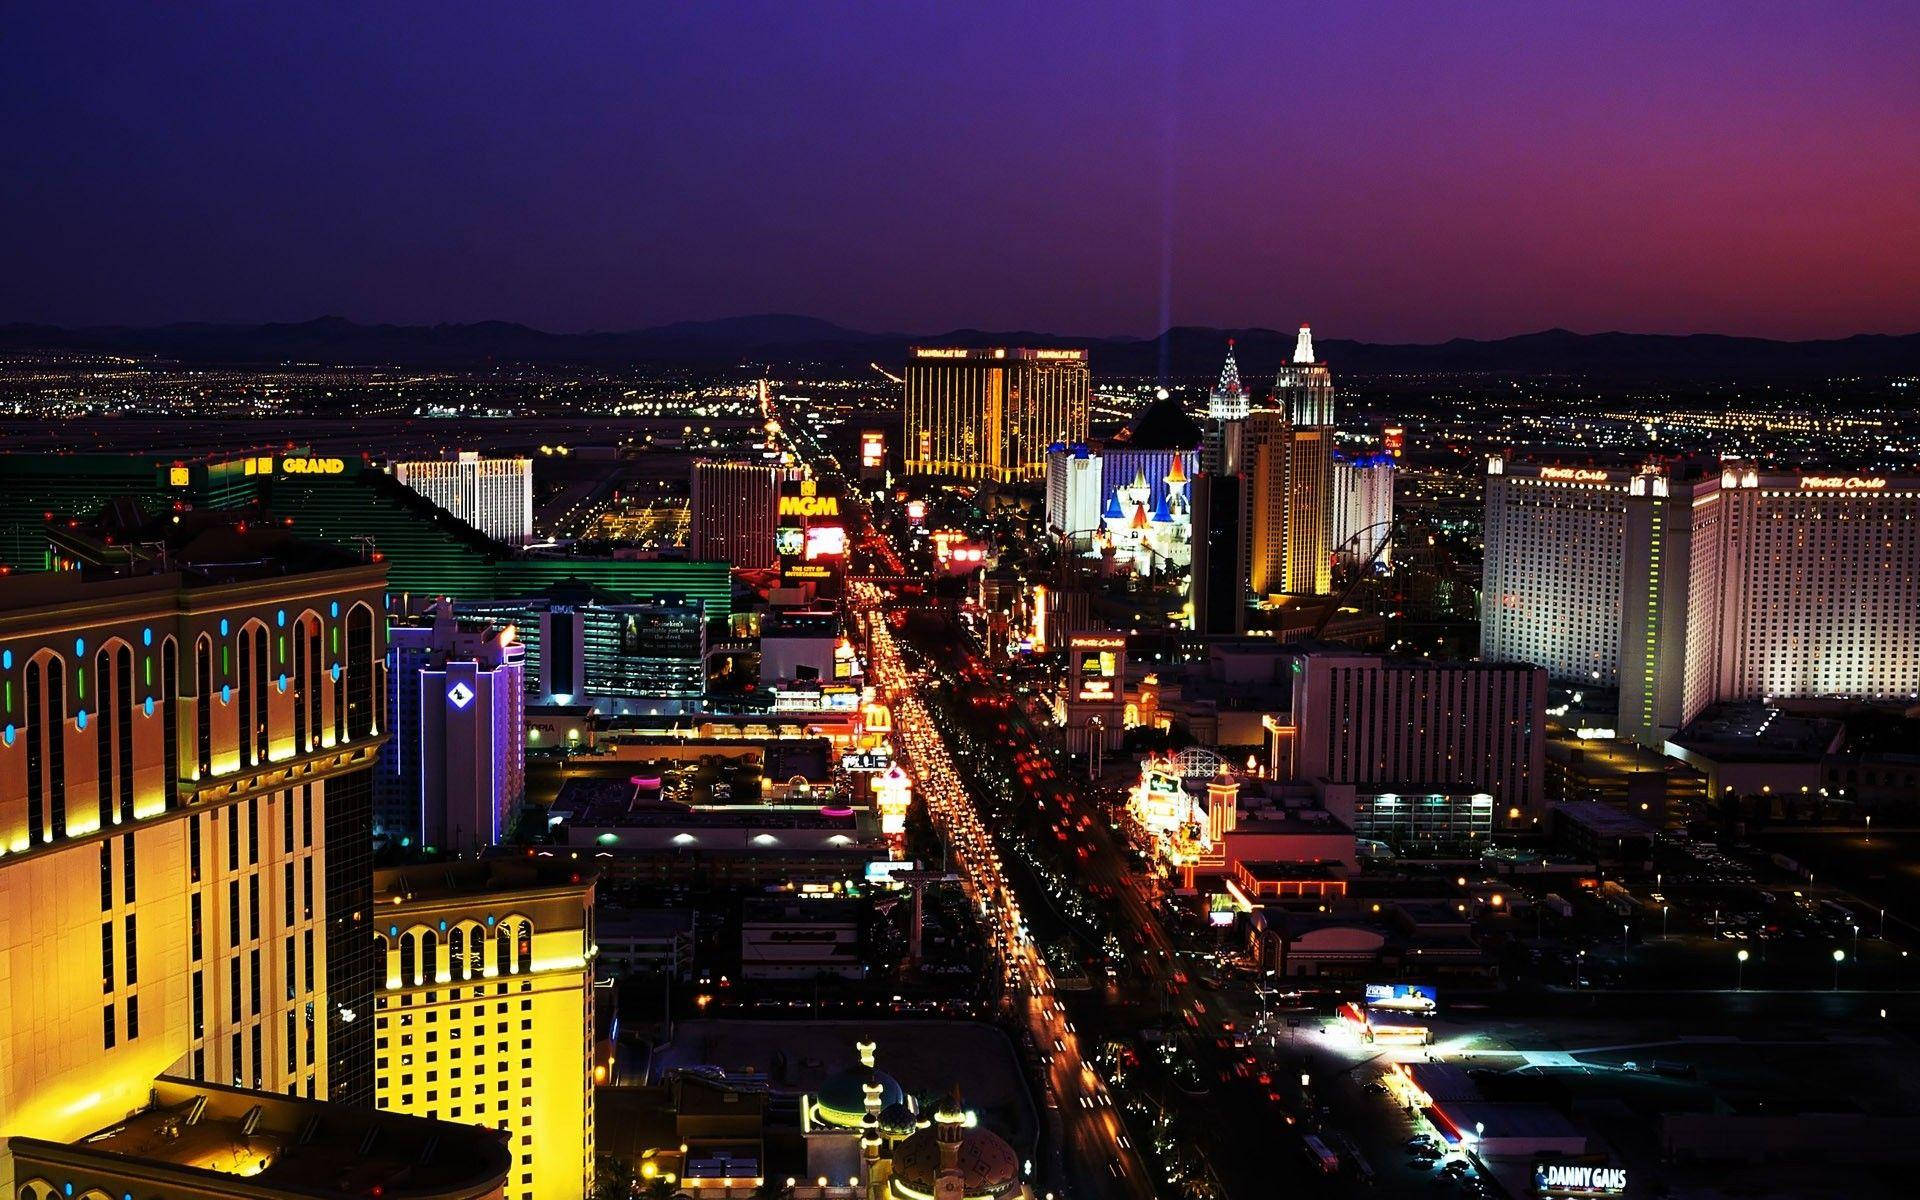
1095 663
1406 997
811 537
1578 1179
873 449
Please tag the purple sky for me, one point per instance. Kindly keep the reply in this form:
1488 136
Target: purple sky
1388 171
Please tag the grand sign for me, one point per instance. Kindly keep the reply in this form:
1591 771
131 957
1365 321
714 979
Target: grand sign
1573 474
312 466
1841 483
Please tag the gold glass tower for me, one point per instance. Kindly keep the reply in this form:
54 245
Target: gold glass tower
1288 497
991 414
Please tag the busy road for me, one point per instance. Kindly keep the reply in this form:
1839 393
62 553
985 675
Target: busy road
1092 1154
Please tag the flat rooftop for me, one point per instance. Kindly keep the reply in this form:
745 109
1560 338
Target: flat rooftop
1602 819
298 1147
616 804
1274 871
1754 732
506 871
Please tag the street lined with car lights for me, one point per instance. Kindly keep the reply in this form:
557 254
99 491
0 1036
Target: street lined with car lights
1088 1127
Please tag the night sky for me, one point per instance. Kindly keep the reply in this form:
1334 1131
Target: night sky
1388 171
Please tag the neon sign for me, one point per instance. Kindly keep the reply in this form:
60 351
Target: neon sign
1577 475
1838 483
1575 1179
809 506
312 466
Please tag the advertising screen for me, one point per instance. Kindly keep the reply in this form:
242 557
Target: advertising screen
1409 997
826 541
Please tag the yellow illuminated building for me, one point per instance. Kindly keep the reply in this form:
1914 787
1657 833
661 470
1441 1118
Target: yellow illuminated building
185 795
485 1012
990 415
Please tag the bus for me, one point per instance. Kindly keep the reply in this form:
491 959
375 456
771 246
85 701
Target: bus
1320 1156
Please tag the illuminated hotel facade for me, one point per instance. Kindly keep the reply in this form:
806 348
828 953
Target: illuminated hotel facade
494 495
731 513
991 414
485 1011
1689 582
1288 494
185 874
454 769
1370 720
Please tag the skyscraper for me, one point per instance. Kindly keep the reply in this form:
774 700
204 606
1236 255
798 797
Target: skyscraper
455 768
1690 581
731 517
1304 387
179 756
1227 407
1073 491
1362 507
1218 593
1287 465
623 654
1366 719
485 1012
494 495
991 414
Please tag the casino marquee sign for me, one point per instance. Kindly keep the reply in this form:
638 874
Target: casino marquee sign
1578 1180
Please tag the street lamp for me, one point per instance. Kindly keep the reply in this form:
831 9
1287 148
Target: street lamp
1740 971
1839 956
1663 920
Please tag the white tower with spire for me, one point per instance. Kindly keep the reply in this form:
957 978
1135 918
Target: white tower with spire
1227 407
1303 345
1228 400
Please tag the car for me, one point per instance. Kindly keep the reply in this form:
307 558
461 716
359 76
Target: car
1374 1087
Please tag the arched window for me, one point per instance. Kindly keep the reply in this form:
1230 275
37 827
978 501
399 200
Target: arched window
262 706
36 754
170 715
105 780
56 734
244 699
429 957
360 670
315 669
253 694
203 705
503 950
526 946
409 961
123 723
476 952
457 954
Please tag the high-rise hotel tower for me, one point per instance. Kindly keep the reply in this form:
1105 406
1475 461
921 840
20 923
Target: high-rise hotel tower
485 1012
1691 581
185 883
494 495
991 414
1287 461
